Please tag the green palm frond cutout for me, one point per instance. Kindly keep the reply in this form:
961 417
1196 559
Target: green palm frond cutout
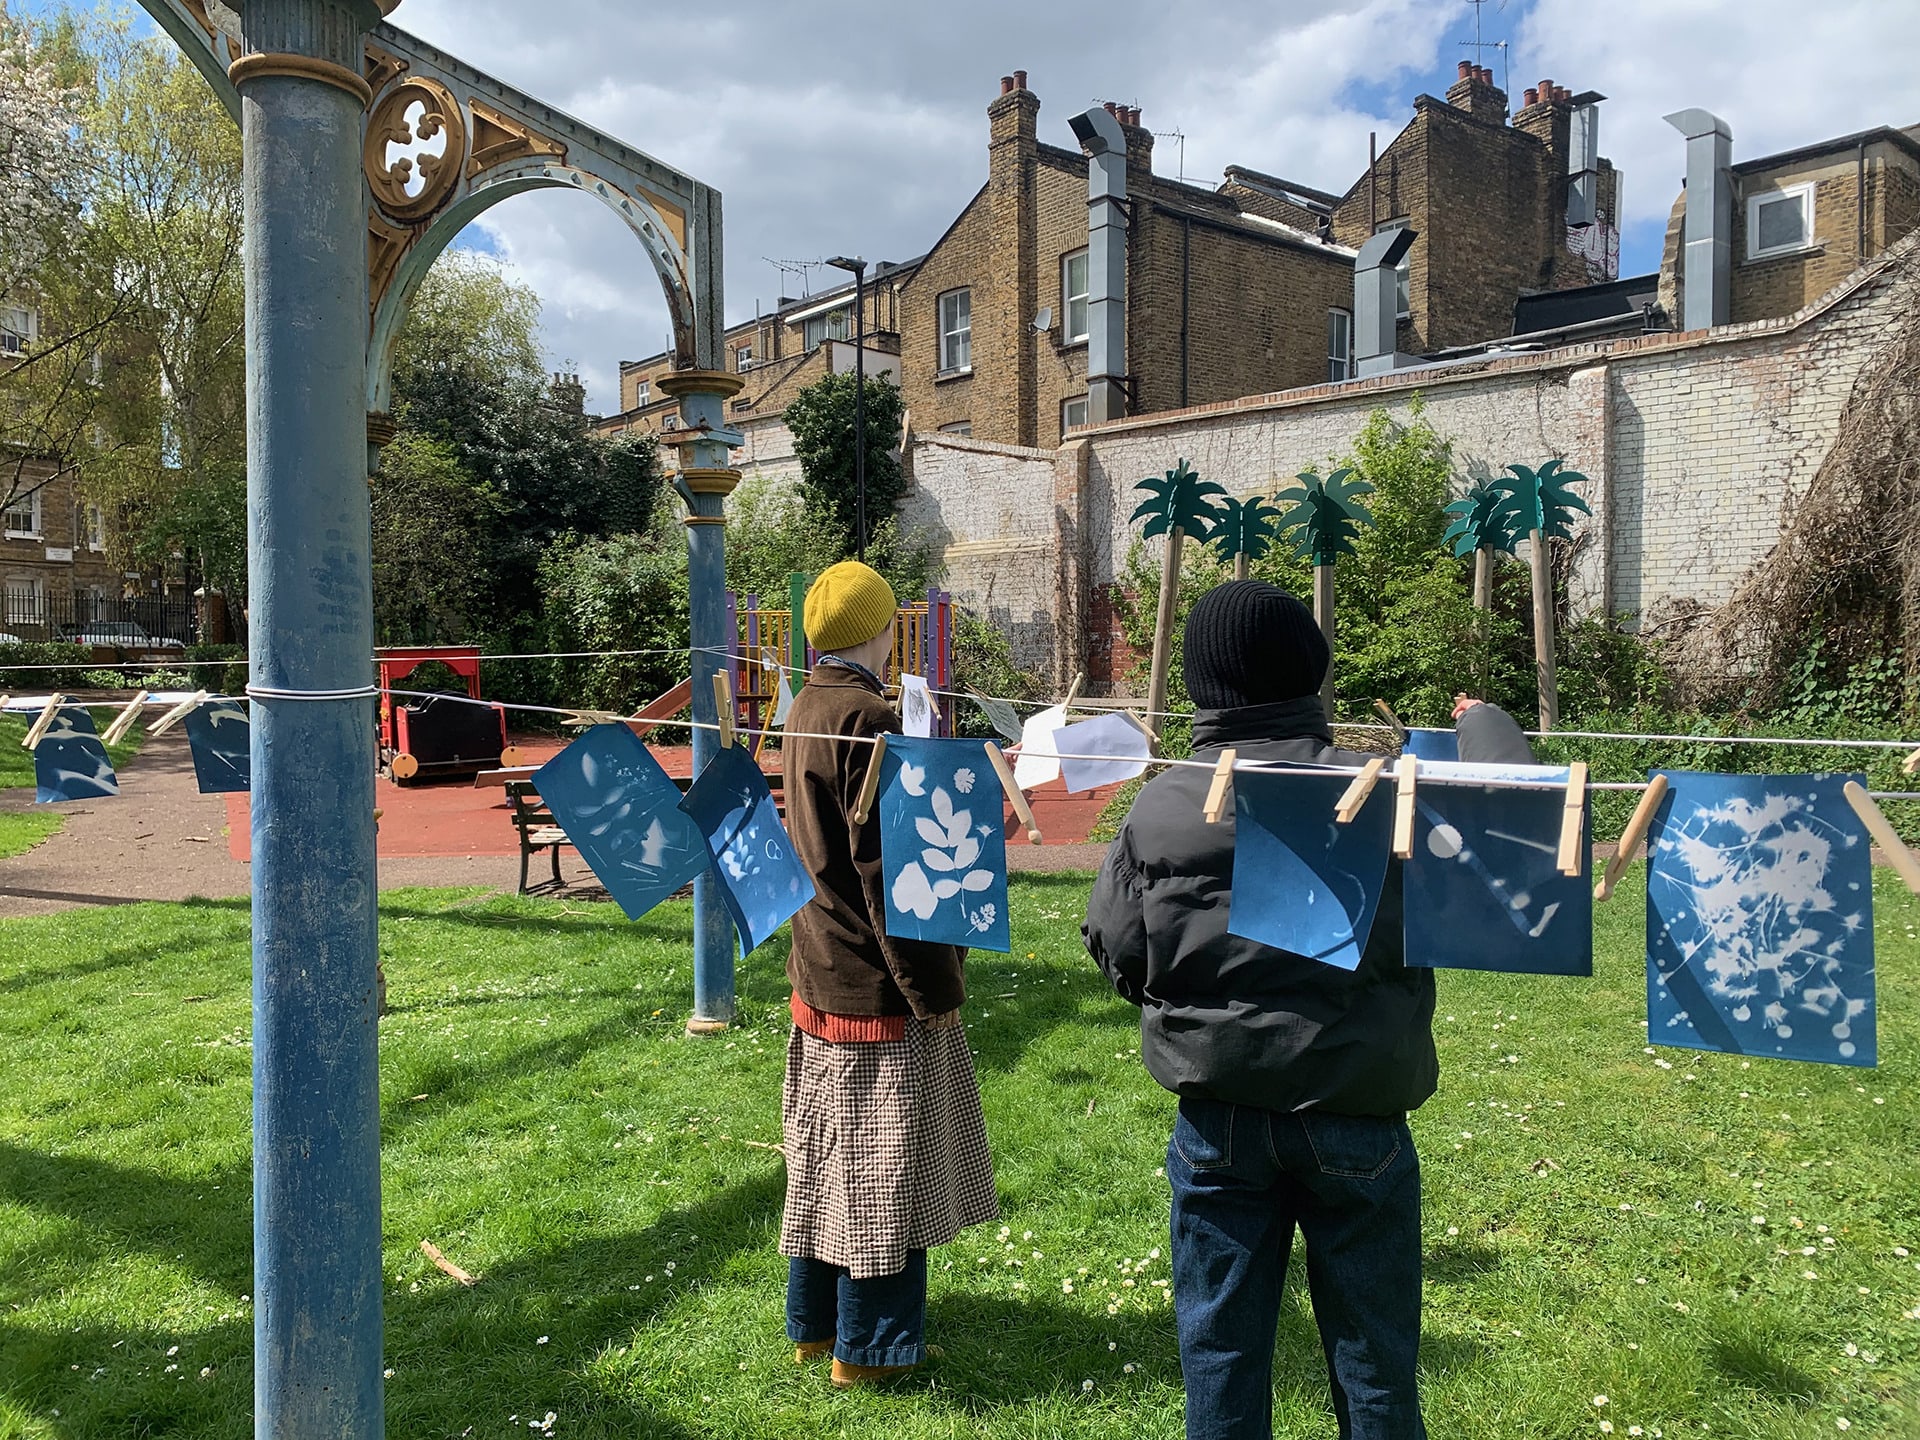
1481 520
1325 515
1246 527
1541 500
1178 498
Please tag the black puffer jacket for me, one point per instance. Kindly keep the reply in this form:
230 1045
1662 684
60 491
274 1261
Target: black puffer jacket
1230 1019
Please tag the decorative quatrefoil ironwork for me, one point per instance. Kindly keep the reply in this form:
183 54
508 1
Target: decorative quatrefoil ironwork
411 178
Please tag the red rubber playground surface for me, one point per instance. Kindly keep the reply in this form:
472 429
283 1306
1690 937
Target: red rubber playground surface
454 818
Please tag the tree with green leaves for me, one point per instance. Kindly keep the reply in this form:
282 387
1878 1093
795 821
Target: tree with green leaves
821 419
1325 517
1178 504
1541 505
1245 531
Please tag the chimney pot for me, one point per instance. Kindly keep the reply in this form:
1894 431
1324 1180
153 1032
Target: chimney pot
1133 115
1006 84
1566 95
1483 75
1546 89
1466 69
1532 96
1019 79
1112 109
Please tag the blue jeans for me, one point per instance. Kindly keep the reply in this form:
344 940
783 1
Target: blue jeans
879 1321
1242 1178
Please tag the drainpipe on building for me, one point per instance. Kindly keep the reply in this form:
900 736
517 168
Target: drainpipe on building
1099 133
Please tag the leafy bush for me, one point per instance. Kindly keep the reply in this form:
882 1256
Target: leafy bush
983 661
620 592
821 418
31 652
227 679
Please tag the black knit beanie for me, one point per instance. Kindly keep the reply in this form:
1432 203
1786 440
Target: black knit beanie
1250 643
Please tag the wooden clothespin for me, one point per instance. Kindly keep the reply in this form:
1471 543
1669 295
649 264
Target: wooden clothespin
723 706
1140 724
123 722
1073 692
178 713
581 719
1217 791
1357 793
1015 796
870 787
1631 837
40 726
1570 818
1911 764
1898 855
1404 771
1385 712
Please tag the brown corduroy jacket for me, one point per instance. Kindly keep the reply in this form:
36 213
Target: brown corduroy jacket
841 962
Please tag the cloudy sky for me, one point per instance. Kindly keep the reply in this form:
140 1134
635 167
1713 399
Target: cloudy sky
855 127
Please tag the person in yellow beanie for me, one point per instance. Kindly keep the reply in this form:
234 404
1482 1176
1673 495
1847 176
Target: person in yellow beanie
885 1143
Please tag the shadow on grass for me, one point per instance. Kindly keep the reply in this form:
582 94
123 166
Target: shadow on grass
1460 1261
1750 1356
205 1224
464 1356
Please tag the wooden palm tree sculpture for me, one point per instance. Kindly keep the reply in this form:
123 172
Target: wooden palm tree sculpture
1325 517
1178 504
1245 531
1540 506
1481 527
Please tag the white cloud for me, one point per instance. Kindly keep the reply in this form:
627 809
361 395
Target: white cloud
860 127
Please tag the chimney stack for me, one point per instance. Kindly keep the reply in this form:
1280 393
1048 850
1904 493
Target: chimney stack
1475 93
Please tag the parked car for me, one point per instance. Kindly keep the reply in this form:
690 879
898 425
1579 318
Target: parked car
6 639
117 640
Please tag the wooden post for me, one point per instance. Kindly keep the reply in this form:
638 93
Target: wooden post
1240 565
1163 622
1323 612
1483 579
1543 632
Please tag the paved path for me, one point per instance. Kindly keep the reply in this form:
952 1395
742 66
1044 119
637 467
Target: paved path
161 839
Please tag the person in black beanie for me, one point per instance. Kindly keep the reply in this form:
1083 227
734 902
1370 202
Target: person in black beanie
1294 1077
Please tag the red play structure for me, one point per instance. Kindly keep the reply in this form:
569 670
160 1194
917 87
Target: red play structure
430 737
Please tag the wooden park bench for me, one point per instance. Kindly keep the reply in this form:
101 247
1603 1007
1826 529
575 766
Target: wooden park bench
535 822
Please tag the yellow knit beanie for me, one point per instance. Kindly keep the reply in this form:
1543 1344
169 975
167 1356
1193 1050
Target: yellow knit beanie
848 605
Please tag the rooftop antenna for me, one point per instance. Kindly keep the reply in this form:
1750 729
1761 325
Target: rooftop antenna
802 268
1180 137
1478 44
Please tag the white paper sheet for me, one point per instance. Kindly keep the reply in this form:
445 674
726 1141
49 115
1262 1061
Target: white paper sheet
1106 735
1036 735
916 706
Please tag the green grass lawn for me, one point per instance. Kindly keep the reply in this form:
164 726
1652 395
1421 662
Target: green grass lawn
1718 1248
20 832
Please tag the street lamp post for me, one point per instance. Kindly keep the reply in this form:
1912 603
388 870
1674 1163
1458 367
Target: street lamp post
858 268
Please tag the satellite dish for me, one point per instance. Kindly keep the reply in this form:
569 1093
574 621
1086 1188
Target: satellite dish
1044 320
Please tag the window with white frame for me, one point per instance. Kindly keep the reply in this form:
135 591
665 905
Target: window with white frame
1073 296
743 357
1403 272
22 520
957 427
643 394
1779 221
17 325
834 325
96 530
1073 411
956 331
1339 345
25 601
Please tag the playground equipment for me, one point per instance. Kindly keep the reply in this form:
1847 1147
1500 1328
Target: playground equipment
430 738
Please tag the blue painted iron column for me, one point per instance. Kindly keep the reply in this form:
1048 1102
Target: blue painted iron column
705 479
316 1096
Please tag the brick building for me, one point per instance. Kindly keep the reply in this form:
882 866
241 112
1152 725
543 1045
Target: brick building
1221 299
1499 210
1805 219
54 569
778 355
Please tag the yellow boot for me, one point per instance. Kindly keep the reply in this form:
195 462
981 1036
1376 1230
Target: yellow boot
811 1350
846 1377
